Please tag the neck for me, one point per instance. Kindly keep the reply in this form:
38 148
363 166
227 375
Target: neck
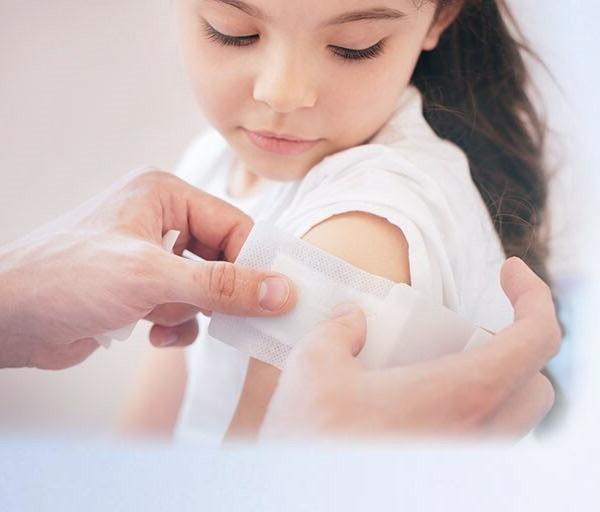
241 181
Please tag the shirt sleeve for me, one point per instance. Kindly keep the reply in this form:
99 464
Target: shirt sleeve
392 188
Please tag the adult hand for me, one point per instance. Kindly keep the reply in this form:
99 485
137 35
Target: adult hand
102 267
496 389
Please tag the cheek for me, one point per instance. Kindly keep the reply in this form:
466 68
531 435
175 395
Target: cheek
217 87
217 90
372 96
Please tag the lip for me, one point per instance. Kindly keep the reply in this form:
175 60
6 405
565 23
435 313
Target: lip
281 144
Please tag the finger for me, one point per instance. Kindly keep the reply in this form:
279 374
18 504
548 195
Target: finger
529 295
520 351
339 338
171 315
178 336
533 339
524 410
226 288
58 357
214 225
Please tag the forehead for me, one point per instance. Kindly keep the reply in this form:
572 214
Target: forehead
323 13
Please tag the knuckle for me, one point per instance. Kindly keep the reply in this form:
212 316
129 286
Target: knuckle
140 264
222 282
149 182
143 272
150 177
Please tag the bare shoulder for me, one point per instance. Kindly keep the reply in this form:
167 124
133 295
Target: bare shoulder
366 241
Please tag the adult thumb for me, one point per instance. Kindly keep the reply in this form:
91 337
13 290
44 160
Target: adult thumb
227 288
341 336
528 294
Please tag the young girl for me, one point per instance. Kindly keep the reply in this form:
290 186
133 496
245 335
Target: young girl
396 134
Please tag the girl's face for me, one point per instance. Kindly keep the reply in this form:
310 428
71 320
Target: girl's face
326 72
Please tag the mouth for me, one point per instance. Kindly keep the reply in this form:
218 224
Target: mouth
281 144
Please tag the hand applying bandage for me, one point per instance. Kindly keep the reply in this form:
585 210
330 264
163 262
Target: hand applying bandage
102 267
492 390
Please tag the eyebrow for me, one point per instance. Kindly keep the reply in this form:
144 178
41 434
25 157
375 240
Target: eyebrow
376 13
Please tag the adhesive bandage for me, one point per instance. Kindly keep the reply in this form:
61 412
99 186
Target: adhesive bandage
402 325
168 243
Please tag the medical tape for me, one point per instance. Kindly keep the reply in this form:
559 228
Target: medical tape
403 326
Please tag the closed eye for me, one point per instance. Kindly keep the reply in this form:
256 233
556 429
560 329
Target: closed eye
225 40
344 53
368 53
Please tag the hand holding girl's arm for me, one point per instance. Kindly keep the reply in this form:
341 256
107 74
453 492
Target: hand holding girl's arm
494 390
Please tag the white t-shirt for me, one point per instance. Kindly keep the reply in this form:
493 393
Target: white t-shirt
405 174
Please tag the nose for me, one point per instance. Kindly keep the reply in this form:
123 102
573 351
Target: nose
284 83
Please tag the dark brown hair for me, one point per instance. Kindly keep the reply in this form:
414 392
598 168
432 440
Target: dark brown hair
475 88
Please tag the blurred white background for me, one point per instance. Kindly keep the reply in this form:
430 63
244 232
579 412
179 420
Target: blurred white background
92 88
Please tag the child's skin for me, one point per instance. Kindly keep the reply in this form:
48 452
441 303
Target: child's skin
292 80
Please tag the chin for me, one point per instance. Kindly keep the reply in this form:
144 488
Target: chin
278 173
279 169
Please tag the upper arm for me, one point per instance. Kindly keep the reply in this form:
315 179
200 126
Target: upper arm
152 407
366 241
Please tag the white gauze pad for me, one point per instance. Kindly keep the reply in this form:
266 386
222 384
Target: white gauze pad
402 325
168 243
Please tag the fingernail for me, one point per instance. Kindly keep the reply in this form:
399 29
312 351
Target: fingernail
346 309
169 340
273 294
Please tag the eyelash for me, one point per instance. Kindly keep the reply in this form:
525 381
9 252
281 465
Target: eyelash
344 53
